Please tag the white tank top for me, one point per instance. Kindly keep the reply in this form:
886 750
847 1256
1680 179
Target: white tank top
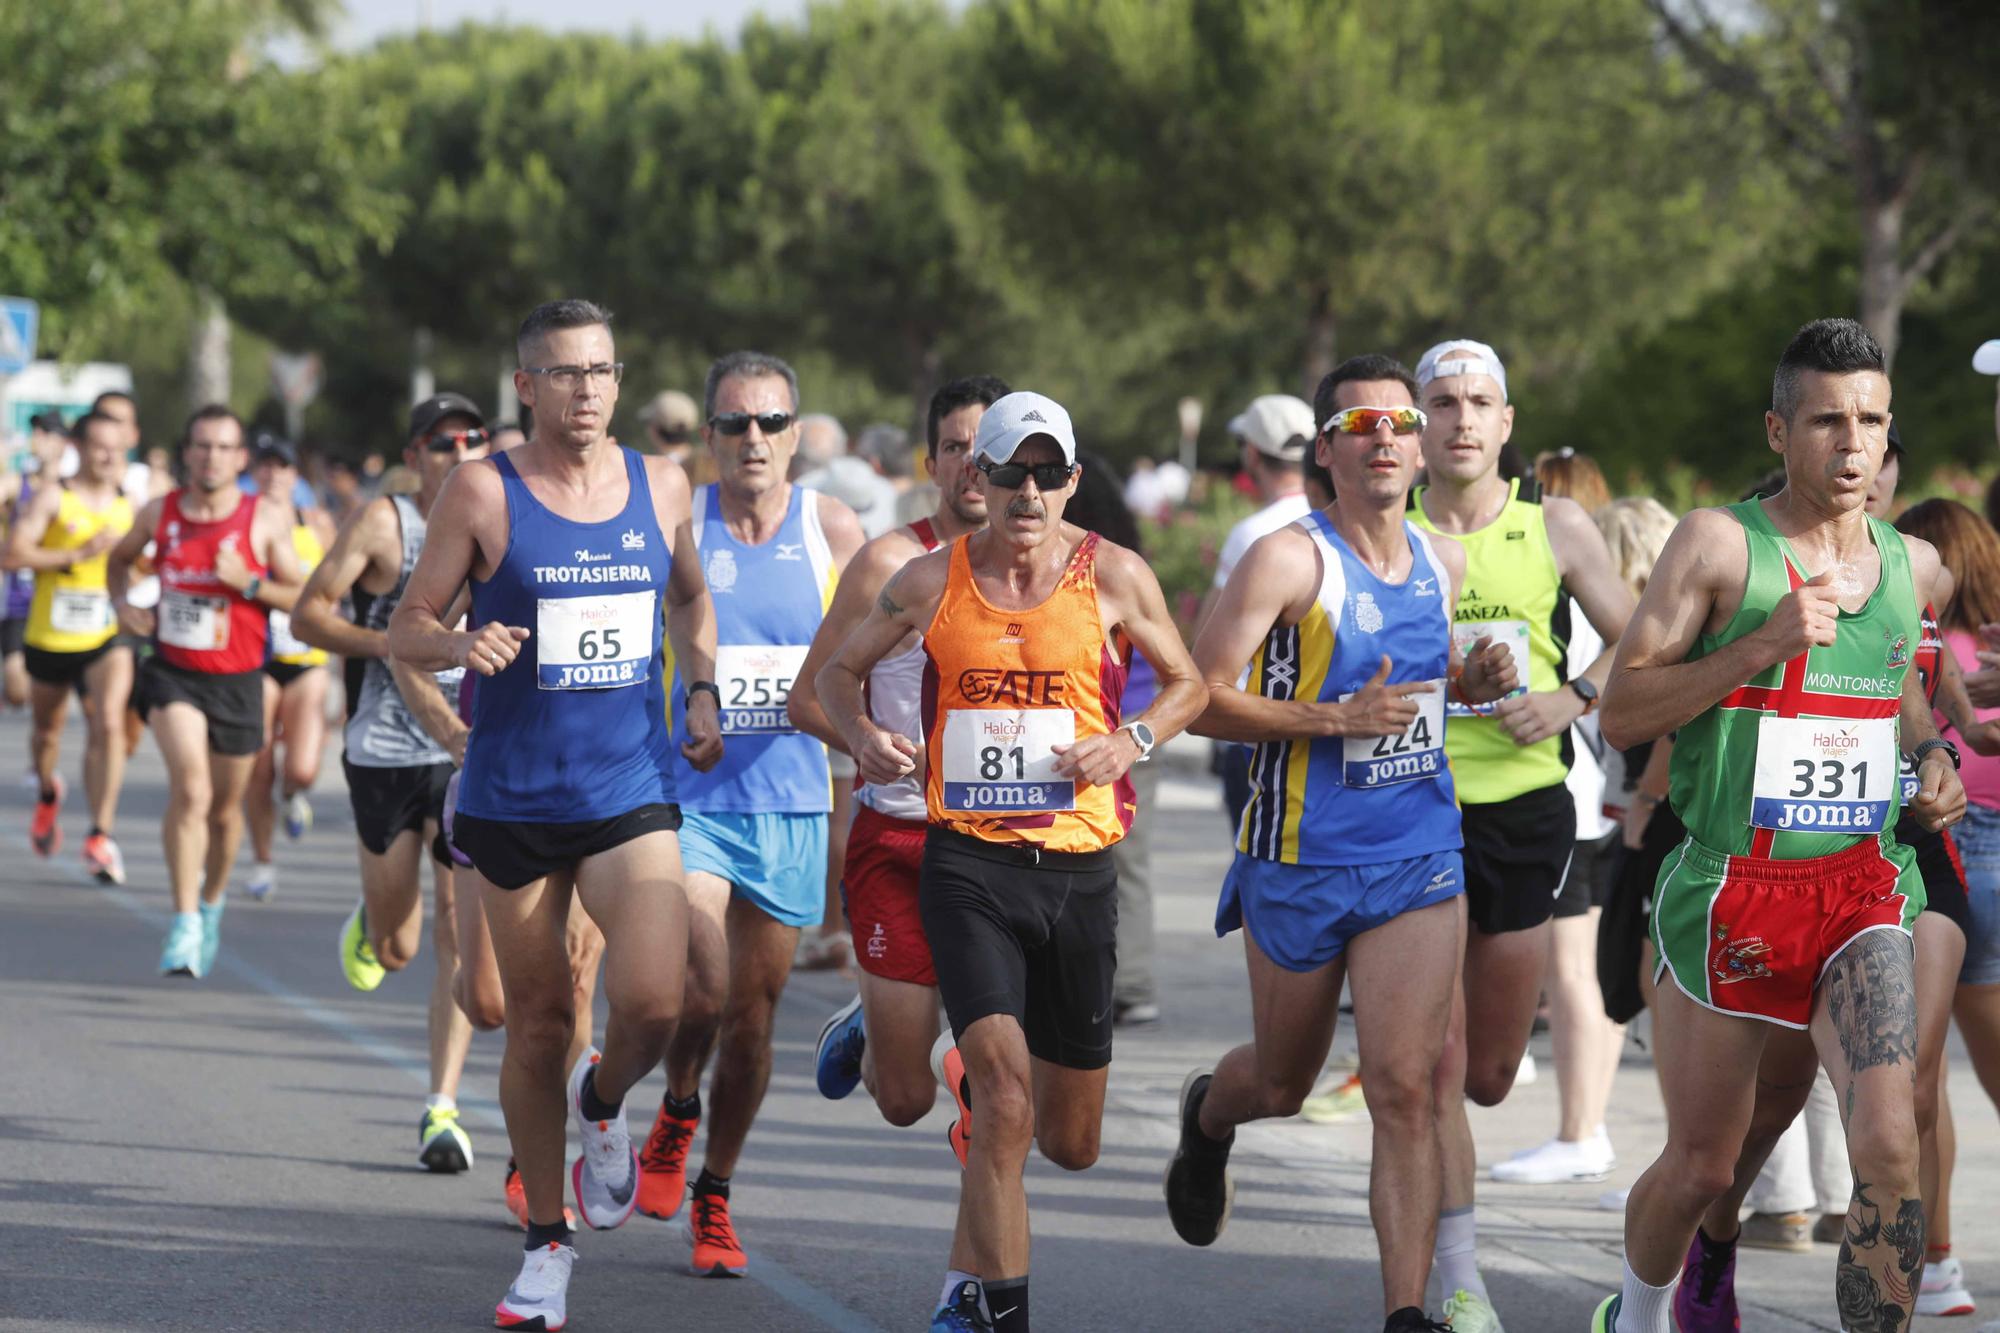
895 702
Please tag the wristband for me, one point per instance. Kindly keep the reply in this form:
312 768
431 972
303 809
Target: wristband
250 588
698 687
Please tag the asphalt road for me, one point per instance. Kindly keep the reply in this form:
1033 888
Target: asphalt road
238 1153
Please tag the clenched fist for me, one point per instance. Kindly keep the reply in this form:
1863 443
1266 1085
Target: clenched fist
1379 709
491 647
1807 617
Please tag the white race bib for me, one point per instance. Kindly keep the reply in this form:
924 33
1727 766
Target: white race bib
1906 772
595 643
1002 761
74 612
284 643
754 681
1824 775
1379 761
198 624
1512 633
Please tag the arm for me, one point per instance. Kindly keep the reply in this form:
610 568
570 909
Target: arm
1588 575
371 537
1940 798
471 505
118 570
1486 672
907 602
433 712
691 629
24 540
271 535
1648 792
860 584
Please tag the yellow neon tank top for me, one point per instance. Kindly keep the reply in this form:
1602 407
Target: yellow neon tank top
71 611
286 646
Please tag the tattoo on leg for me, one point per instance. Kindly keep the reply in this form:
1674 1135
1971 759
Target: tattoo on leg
1868 1303
1871 996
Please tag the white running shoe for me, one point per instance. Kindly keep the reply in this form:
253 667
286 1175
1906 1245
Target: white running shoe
1557 1162
1528 1071
1944 1291
606 1176
263 878
539 1296
298 816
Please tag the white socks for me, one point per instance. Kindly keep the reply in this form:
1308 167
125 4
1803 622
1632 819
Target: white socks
1644 1309
437 1101
1456 1258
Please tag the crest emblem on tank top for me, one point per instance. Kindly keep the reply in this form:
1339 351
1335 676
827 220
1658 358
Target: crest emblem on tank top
1367 615
721 571
1899 651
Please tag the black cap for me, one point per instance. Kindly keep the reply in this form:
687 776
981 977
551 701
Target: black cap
50 420
267 446
426 415
1896 441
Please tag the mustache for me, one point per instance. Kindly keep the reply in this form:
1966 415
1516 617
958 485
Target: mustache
1025 509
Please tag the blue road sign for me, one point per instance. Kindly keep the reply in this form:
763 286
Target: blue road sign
19 318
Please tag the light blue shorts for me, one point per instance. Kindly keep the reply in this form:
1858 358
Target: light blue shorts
1303 916
1978 837
776 863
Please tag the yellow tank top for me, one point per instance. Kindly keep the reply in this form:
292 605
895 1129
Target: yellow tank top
287 647
71 612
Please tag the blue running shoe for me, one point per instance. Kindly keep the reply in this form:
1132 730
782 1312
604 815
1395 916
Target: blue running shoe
965 1314
838 1065
182 955
211 934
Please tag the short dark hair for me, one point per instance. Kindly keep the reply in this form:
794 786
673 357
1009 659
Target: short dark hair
1369 366
746 365
97 403
1098 504
1829 346
88 419
984 390
554 316
211 412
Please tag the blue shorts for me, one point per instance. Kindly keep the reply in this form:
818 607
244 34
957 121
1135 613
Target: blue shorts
777 863
1303 916
1978 836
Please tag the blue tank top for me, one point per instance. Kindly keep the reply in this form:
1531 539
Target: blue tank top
575 728
19 586
1356 800
769 600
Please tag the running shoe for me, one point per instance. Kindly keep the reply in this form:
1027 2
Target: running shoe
837 1067
716 1252
948 1067
1527 1071
663 1164
539 1295
211 933
965 1314
1199 1187
442 1146
1705 1300
1467 1313
1790 1232
1831 1229
357 956
1413 1320
261 882
182 955
606 1176
517 1198
1944 1291
43 829
1557 1162
1605 1320
102 858
298 816
1342 1102
1134 1013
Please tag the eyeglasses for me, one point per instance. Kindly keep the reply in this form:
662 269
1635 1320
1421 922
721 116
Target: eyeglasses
738 423
447 441
567 378
1365 420
1009 476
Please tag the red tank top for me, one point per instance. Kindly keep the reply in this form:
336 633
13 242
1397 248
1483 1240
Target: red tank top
1929 645
203 624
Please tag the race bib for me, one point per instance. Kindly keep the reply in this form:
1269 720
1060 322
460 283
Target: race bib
284 643
1001 761
198 624
1906 773
1824 775
754 681
1512 633
1379 761
595 643
73 612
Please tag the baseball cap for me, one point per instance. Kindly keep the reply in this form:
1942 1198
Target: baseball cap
1276 424
1461 356
50 421
267 446
425 416
1987 359
1017 418
1896 444
671 410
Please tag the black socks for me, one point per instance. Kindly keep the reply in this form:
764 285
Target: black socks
556 1233
683 1108
587 1100
710 1183
1008 1300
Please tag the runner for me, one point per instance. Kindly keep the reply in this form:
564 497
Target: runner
571 545
62 536
1776 636
883 1037
48 439
1027 626
1525 558
753 836
225 561
1348 866
294 689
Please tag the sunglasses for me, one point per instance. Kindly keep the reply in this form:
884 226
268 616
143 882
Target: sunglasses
1365 420
446 441
1009 476
738 423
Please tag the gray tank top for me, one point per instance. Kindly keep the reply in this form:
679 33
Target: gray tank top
381 732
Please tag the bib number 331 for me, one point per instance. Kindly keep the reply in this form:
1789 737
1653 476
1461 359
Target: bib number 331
595 643
1001 761
1824 775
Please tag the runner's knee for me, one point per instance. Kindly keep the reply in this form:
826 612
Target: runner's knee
1698 1174
903 1102
1280 1092
1488 1082
1883 1150
1073 1146
1398 1092
483 1006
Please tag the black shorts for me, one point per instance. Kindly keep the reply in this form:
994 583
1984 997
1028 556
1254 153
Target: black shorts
12 631
1517 855
1588 883
388 802
66 669
287 672
1027 934
512 855
1944 875
232 703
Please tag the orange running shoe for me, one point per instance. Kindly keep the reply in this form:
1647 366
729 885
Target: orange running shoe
663 1165
949 1068
103 859
517 1199
717 1252
43 830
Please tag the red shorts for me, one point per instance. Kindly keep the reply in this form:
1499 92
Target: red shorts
879 885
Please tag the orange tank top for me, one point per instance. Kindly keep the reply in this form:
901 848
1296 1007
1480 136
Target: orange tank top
1000 689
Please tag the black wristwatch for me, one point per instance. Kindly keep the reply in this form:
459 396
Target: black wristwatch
1586 692
1934 743
687 696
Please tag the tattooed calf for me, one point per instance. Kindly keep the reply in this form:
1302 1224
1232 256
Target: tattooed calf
1872 998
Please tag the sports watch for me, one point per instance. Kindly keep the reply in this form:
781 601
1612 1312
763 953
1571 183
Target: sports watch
1934 743
1586 692
1142 736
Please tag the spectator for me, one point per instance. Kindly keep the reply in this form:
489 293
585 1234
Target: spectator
669 425
847 477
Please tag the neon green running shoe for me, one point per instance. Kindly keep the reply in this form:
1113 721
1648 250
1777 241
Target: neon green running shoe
1343 1102
443 1146
357 956
1606 1318
1467 1313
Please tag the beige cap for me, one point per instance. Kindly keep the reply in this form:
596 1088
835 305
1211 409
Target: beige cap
1276 424
671 410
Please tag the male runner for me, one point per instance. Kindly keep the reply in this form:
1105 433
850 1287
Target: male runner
1026 629
225 561
62 536
572 544
48 440
1776 637
753 831
396 773
1525 558
1348 868
883 1037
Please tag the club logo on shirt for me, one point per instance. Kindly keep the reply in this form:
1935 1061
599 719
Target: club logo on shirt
1518 535
591 557
721 571
1899 651
1023 689
790 550
633 540
1740 960
1367 615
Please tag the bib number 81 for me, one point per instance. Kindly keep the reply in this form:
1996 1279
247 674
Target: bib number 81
993 765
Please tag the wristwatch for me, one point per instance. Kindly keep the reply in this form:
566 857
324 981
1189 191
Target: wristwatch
1142 736
1934 743
1586 692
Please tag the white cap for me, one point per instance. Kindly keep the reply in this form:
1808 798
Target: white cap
1017 418
1461 356
1276 424
1987 359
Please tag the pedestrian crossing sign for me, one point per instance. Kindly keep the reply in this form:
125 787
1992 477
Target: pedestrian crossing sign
18 320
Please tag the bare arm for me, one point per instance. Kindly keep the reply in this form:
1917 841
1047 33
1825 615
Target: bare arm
118 570
371 537
436 714
419 632
24 539
691 629
907 602
1589 576
860 584
270 536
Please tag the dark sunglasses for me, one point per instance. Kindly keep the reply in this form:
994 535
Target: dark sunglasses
1009 476
738 423
446 441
